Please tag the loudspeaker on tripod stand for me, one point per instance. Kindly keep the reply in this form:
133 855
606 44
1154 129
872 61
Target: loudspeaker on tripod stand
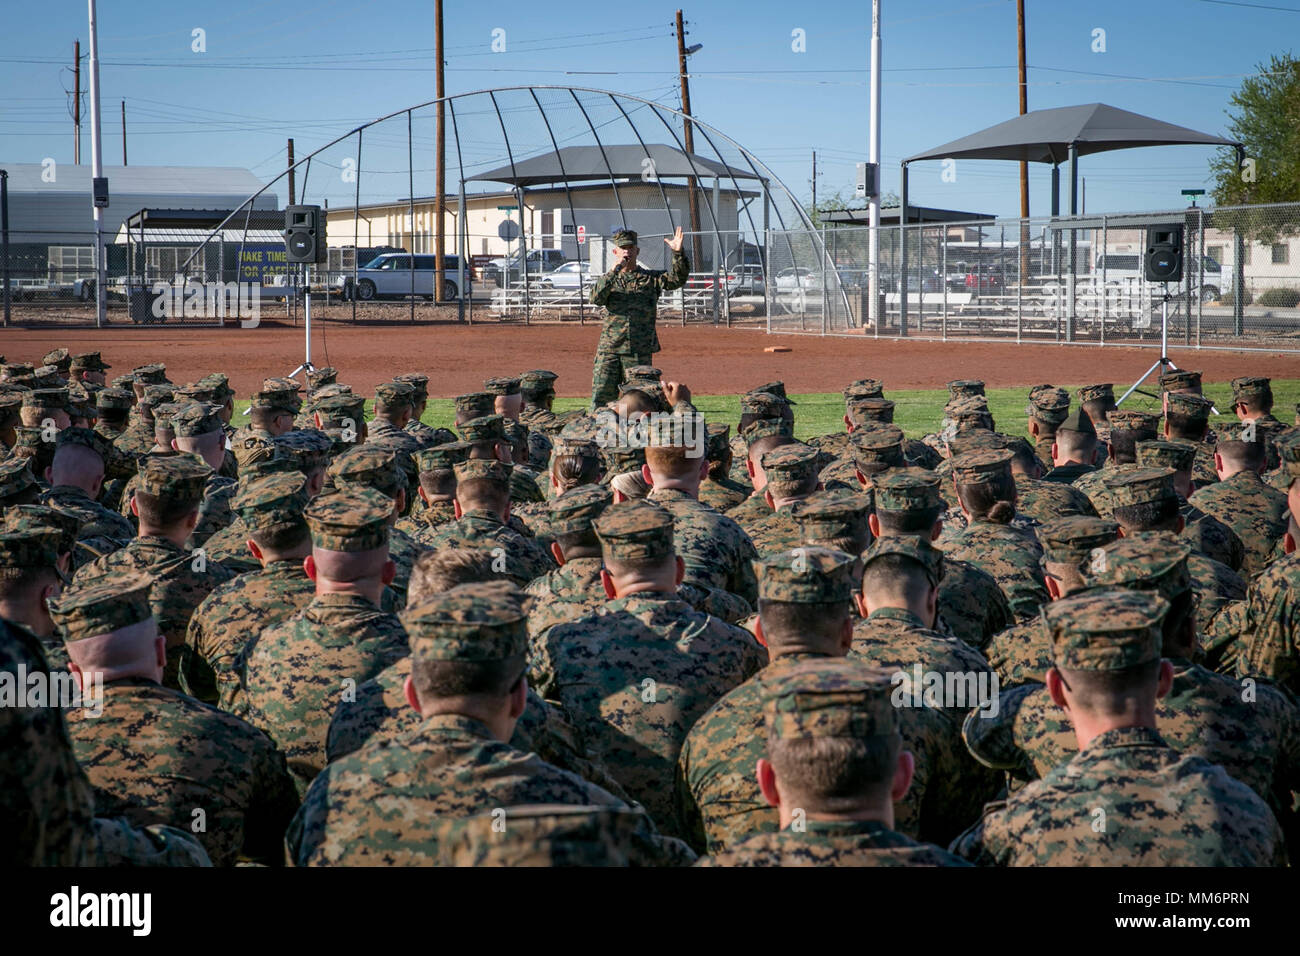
1163 259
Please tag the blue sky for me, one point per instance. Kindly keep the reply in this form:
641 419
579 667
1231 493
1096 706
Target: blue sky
949 70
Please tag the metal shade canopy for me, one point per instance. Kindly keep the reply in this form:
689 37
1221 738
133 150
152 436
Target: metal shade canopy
584 163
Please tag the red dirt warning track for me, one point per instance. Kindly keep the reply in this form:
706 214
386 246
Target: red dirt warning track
458 358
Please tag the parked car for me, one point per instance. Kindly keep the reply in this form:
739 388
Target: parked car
984 280
749 280
390 276
540 261
796 279
1209 281
568 276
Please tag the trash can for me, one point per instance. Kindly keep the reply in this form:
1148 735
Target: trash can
141 306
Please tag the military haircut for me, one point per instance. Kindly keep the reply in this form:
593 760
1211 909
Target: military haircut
264 418
801 488
767 443
436 572
442 679
635 400
1097 408
849 544
1148 515
1076 443
919 521
19 583
673 461
572 541
1124 441
283 537
1022 455
1113 692
1249 455
485 493
438 481
833 774
1181 425
897 575
160 512
792 623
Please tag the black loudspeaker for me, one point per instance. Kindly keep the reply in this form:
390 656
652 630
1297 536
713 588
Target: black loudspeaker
304 234
1163 261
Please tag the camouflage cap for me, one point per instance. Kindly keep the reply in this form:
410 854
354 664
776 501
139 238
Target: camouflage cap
965 387
46 398
103 607
156 395
624 238
830 697
65 522
220 386
833 513
981 467
539 379
863 410
1097 393
484 428
152 374
489 469
27 546
180 477
86 438
1250 387
766 428
1105 629
643 373
1174 453
320 377
339 409
440 457
14 476
349 519
636 530
877 443
1141 486
1190 406
772 388
503 385
195 419
575 511
909 490
418 381
717 440
334 388
1133 420
1071 539
10 401
864 388
123 381
1288 450
908 546
621 460
309 447
484 621
162 417
1078 421
980 439
197 392
1143 562
1049 406
1179 379
278 464
806 576
516 433
88 362
395 394
576 447
369 466
763 404
277 399
59 358
474 404
48 376
794 462
272 502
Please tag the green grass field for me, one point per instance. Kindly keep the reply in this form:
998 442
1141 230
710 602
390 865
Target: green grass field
917 412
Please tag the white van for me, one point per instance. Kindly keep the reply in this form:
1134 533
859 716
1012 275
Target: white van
1121 269
389 276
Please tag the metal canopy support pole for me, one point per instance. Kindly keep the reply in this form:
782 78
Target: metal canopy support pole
1074 211
97 171
873 154
767 262
1101 293
356 215
462 219
4 239
902 255
1238 265
410 207
717 249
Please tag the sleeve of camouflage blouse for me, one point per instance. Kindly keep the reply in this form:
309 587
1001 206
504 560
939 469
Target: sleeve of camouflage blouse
600 290
677 273
991 740
117 843
690 824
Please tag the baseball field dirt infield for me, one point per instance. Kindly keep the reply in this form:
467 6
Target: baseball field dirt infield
718 361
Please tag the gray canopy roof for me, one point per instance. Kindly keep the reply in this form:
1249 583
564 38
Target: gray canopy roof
585 163
1045 136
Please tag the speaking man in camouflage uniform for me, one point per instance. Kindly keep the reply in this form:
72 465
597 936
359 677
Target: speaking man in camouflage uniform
76 477
1127 798
468 662
1023 653
1270 632
1252 731
630 295
835 766
804 603
298 671
271 512
1241 499
166 504
157 755
635 675
482 506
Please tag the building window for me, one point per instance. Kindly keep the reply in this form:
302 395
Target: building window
548 229
1215 253
1245 253
1281 253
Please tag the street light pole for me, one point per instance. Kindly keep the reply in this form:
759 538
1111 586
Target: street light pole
873 199
693 184
97 171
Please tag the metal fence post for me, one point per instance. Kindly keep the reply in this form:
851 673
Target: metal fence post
1200 296
943 277
1101 307
824 277
1020 283
767 277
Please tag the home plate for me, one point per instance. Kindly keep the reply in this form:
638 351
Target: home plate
777 348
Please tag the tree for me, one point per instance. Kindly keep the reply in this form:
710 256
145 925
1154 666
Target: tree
1265 119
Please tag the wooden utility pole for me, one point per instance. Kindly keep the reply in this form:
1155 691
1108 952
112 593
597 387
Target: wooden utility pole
814 184
124 132
1024 166
693 183
292 191
440 204
76 102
